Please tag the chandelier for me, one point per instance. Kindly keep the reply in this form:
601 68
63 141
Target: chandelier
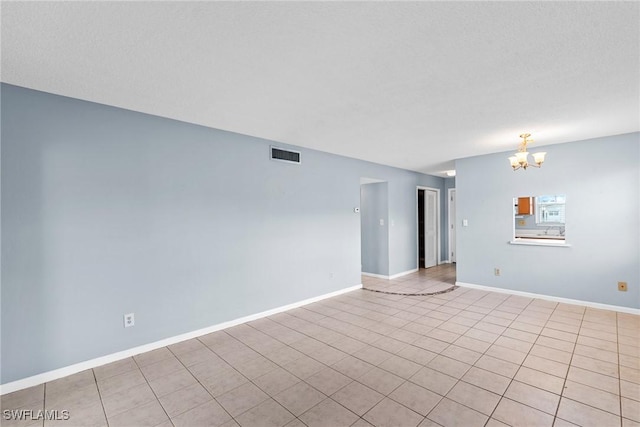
521 158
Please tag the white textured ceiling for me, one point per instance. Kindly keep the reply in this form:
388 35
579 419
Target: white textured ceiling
408 84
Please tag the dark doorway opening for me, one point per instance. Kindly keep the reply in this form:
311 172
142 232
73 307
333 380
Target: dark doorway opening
421 228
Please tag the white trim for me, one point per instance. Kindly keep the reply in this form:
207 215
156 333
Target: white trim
449 192
404 273
394 276
365 180
539 242
103 360
598 305
379 276
438 231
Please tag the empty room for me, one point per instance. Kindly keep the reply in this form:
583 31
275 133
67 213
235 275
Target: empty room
388 214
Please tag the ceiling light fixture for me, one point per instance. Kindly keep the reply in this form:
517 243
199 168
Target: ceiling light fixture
521 158
451 173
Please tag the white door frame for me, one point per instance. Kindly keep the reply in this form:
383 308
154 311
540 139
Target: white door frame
437 190
450 222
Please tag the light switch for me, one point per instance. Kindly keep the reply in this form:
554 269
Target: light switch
465 222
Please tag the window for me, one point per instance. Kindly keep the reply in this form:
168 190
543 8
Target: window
550 210
539 220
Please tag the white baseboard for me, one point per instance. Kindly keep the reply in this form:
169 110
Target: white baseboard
379 276
404 273
93 363
395 276
598 305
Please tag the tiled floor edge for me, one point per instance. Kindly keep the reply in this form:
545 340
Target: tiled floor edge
590 304
44 377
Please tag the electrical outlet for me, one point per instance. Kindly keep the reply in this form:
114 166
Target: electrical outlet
129 320
522 222
622 286
496 271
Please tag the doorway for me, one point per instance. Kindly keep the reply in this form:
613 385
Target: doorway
428 201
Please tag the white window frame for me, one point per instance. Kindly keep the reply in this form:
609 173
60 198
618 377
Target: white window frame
532 241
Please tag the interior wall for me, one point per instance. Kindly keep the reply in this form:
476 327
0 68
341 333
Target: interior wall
403 220
374 220
601 180
107 211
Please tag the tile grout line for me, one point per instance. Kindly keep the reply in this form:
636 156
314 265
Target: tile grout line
521 364
151 388
393 308
619 373
564 383
197 381
44 400
250 380
458 380
549 318
104 411
482 353
201 385
587 385
590 386
325 365
353 379
301 379
546 322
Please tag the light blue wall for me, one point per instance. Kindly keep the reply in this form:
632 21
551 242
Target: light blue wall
449 183
374 206
107 211
601 179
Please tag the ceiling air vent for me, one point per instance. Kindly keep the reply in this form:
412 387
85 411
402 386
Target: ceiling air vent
285 155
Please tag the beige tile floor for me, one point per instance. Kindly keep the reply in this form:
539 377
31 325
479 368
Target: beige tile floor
462 358
428 281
